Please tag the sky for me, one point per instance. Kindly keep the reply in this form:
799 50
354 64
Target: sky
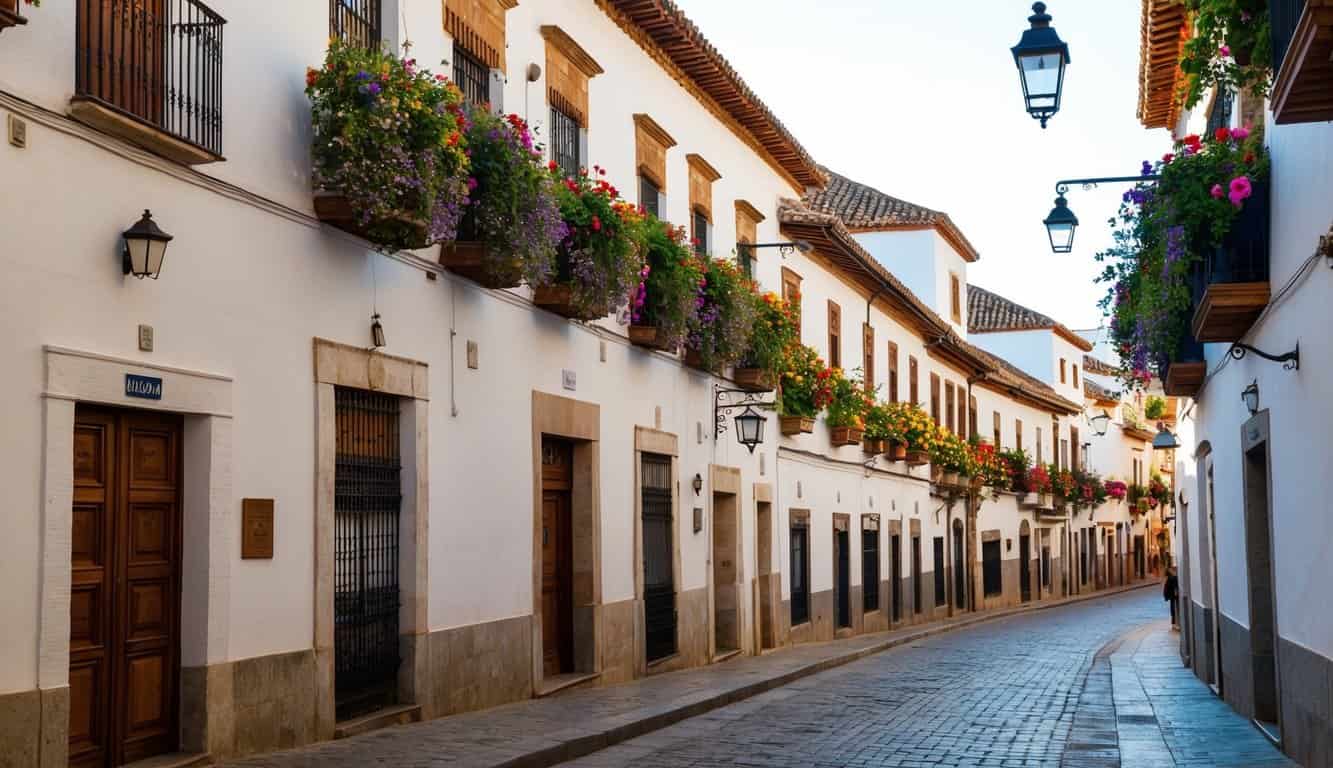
921 100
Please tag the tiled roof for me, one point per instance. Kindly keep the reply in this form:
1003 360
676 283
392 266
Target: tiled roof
665 33
832 238
1163 29
862 207
1094 391
990 313
1096 365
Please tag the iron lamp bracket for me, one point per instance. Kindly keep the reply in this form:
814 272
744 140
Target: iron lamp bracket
1291 361
726 400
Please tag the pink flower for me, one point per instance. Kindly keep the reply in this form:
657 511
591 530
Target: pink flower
1225 50
1217 191
1240 189
1240 134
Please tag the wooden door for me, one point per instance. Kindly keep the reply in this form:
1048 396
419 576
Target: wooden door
1024 568
557 558
125 587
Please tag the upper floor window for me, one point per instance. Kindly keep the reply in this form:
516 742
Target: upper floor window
868 355
1062 371
996 430
651 144
472 76
648 195
834 335
1075 370
356 22
1018 434
747 229
913 391
955 298
893 372
935 398
700 220
565 142
702 176
791 294
948 408
1040 458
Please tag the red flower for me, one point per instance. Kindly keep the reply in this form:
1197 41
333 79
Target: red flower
583 172
311 76
1249 157
1222 134
596 223
1167 158
552 165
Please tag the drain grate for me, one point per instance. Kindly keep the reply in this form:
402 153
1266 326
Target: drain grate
1138 719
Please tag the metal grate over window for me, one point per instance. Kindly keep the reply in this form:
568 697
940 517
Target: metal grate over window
659 591
648 196
367 501
565 142
472 77
356 22
870 568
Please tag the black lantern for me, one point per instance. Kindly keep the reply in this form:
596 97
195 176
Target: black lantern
1251 397
697 483
1165 439
750 428
1100 422
376 331
1060 226
1041 58
145 247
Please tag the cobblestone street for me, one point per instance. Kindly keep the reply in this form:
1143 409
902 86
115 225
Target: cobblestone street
1096 683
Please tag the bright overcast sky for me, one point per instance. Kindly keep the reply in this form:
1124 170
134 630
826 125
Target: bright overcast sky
921 100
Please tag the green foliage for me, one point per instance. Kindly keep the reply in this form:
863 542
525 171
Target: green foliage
1154 408
601 258
1230 49
671 283
727 317
849 402
773 333
805 388
1018 462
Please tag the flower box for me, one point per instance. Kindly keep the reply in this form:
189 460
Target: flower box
845 435
560 300
753 379
695 360
1030 499
335 209
469 260
796 425
917 458
896 451
872 445
646 336
9 14
949 479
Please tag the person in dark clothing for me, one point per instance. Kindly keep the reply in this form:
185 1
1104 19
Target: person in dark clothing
1171 591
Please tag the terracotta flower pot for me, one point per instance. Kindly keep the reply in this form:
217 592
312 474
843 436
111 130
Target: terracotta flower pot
696 361
897 451
560 300
1045 501
872 445
796 425
1030 499
469 260
949 478
845 435
917 458
753 379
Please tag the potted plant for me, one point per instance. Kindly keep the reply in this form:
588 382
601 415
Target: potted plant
911 433
600 261
990 468
389 156
846 409
725 319
1017 462
1230 49
1141 506
774 331
1159 492
1063 486
1154 408
1038 481
876 437
949 457
670 288
511 229
804 391
1116 489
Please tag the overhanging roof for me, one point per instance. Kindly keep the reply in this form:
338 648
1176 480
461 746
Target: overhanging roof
1164 28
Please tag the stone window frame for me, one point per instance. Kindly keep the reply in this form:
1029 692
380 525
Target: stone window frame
651 145
791 293
748 219
702 176
464 23
834 334
569 71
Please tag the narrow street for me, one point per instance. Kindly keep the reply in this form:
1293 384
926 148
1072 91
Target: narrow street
1097 683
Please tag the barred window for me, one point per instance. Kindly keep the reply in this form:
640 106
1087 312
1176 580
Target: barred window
870 568
356 22
700 233
472 77
648 195
565 142
990 567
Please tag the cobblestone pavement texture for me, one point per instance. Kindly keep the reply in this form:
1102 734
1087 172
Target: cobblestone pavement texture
1044 688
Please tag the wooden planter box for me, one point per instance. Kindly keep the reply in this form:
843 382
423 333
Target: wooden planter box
895 451
9 14
560 300
796 425
845 435
696 361
949 478
917 458
872 445
1029 499
646 336
469 260
753 379
335 209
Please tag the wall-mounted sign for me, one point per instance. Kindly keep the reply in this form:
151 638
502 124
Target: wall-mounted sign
146 387
257 529
569 380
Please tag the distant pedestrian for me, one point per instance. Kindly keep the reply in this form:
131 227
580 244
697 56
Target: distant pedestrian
1171 591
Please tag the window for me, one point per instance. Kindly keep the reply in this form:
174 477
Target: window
356 22
948 407
747 227
991 583
868 356
700 220
912 390
995 433
565 142
791 294
1062 370
955 299
648 195
1075 368
1064 455
934 398
916 574
472 76
834 335
1056 456
800 572
870 563
1076 454
1018 434
1040 459
893 372
941 595
745 258
966 419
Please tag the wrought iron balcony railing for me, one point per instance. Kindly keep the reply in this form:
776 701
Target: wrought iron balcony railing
1283 15
154 62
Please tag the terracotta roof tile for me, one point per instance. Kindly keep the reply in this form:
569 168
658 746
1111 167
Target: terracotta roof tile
1094 391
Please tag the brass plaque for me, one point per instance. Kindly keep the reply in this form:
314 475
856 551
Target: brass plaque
256 529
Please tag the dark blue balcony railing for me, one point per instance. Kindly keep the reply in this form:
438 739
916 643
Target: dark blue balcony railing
1283 16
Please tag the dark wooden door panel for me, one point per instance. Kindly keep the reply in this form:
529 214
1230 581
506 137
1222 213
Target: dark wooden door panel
557 558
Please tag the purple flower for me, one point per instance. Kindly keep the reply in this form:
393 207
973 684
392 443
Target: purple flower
1147 168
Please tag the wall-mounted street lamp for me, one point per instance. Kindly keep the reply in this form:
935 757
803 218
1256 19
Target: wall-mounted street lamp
1100 422
1041 57
749 422
1250 396
145 248
784 249
697 483
376 331
1061 222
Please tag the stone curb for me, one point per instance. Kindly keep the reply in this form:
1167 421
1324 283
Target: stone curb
585 745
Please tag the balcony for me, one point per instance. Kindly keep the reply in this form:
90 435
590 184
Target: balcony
9 14
150 72
1231 287
1302 60
1184 375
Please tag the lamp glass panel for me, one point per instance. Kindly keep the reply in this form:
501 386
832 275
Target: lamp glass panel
1041 77
1062 236
157 250
138 248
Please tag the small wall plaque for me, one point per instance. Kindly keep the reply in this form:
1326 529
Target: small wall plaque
569 380
698 519
145 387
18 132
146 338
256 529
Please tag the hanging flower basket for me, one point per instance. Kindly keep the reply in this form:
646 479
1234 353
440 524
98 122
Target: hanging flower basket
796 425
648 336
339 211
896 451
841 436
753 379
873 446
560 300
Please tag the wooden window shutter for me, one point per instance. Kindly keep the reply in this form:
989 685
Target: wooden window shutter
568 69
834 335
935 397
913 391
702 176
893 372
997 430
966 418
478 27
1075 375
868 355
955 299
1039 456
1055 442
1062 371
1074 448
1018 434
791 294
651 143
948 407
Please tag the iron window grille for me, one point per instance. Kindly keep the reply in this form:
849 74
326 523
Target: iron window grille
870 569
472 76
745 259
565 142
659 591
941 594
1220 115
367 503
700 233
155 61
800 587
990 568
648 196
1284 15
357 22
